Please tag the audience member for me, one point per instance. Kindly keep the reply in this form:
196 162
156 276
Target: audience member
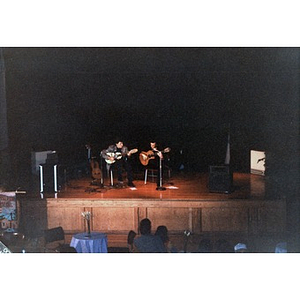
281 247
240 248
147 242
223 246
205 246
130 239
162 232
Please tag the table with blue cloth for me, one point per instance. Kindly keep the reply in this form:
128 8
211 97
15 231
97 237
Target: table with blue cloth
95 242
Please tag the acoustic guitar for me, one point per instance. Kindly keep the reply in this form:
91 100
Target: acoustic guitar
96 172
117 156
146 156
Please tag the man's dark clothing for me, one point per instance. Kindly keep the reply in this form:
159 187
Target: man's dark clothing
149 243
121 163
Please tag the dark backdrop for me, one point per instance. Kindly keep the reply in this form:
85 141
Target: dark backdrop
186 98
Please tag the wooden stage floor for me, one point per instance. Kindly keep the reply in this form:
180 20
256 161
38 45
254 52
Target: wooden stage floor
179 186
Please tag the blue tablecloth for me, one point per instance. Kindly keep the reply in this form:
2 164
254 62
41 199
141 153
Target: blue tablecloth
95 243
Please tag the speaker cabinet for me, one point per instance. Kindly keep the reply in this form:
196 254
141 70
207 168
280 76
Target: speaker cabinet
220 179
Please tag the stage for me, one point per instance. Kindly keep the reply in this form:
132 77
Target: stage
186 204
180 186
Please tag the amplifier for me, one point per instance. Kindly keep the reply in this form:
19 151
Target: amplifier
220 179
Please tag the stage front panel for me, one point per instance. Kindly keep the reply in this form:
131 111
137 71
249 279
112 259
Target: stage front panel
68 217
224 219
121 219
176 219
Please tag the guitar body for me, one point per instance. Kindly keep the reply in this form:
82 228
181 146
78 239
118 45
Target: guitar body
117 156
96 172
146 156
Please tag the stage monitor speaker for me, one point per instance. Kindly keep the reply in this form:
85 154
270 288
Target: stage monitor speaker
48 178
220 179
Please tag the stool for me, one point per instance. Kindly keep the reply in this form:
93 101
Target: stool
152 174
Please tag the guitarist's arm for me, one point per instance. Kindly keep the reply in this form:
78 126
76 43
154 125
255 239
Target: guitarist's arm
160 155
125 151
157 153
128 153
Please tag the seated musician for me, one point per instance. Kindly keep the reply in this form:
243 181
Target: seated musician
117 156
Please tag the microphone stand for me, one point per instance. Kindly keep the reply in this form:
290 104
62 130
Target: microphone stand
101 168
160 187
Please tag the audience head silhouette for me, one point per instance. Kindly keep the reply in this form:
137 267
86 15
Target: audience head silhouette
223 246
130 237
162 232
147 242
240 248
145 226
281 247
205 246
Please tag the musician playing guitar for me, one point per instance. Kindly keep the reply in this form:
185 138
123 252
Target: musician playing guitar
152 159
117 157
